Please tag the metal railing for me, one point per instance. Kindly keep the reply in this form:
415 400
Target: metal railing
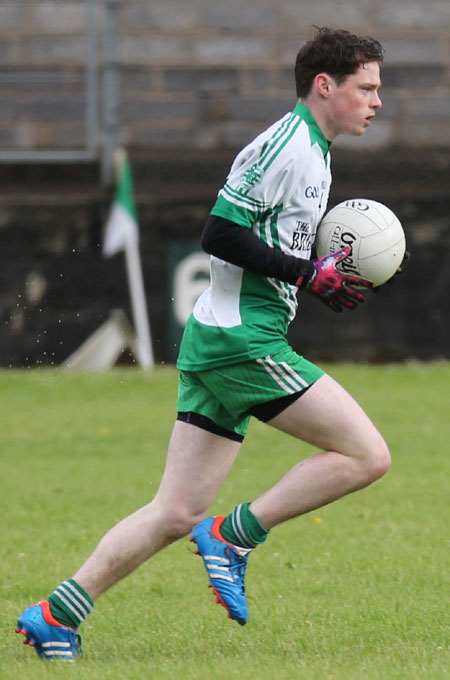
99 92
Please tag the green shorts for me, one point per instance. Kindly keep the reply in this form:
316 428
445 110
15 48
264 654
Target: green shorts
227 396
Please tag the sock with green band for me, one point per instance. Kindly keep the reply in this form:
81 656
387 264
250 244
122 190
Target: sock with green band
70 604
242 528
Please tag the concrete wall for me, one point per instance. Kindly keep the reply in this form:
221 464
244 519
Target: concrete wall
56 288
207 73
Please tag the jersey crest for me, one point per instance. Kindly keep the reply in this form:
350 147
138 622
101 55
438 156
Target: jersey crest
251 177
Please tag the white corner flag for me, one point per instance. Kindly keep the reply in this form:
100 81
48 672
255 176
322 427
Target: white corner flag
122 233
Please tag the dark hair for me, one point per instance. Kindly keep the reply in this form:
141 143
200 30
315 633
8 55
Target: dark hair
336 52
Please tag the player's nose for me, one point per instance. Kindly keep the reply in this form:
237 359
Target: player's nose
376 101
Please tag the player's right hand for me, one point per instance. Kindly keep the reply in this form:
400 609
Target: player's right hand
400 270
331 286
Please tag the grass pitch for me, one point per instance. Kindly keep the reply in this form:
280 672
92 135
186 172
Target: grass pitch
355 591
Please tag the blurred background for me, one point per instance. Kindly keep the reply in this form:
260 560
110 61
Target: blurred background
182 86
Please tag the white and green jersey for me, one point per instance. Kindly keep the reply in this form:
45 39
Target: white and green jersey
278 186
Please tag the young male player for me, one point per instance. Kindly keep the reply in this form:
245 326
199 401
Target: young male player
235 361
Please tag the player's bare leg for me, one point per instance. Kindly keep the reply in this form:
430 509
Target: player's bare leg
197 464
353 455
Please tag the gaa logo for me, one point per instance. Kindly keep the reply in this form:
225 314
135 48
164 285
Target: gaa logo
312 192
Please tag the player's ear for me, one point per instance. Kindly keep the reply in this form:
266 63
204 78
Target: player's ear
323 84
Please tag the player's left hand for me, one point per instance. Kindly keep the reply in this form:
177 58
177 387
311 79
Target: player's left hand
331 286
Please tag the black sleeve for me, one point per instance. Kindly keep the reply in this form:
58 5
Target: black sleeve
240 246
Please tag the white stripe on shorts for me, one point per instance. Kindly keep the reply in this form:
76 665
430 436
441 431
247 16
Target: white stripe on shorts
271 372
294 374
284 375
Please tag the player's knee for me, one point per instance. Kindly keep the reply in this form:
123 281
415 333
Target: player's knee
378 460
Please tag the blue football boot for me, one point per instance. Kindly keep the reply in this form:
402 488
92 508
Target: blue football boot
225 564
50 638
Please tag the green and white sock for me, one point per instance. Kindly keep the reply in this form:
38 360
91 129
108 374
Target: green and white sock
242 528
70 604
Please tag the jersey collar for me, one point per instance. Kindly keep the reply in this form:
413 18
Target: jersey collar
315 132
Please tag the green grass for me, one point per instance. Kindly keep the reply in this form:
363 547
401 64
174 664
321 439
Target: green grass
355 591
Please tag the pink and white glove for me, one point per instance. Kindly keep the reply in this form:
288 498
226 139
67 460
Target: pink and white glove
331 286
